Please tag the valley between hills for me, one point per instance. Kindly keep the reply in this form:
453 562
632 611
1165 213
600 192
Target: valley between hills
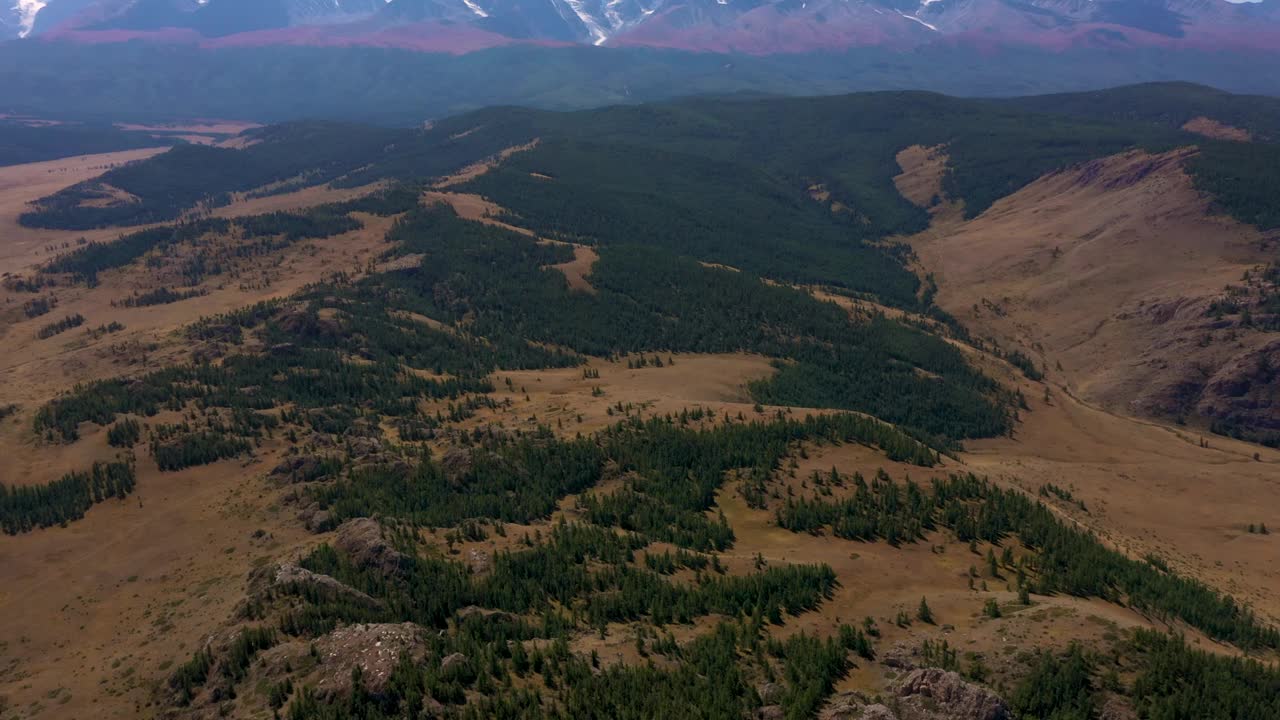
715 408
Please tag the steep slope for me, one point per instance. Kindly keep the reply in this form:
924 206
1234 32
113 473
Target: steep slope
1112 274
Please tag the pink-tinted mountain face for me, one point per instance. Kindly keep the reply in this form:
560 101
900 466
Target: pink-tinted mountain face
757 27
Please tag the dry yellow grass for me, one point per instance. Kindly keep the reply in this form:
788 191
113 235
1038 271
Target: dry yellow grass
296 200
923 168
477 169
21 184
33 370
577 270
92 614
559 397
1211 128
1107 270
209 127
138 583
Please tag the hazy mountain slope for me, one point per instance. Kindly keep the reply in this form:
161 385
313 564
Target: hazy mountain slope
1169 104
751 26
132 81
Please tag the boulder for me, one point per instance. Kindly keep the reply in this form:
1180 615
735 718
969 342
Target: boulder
455 661
771 693
319 521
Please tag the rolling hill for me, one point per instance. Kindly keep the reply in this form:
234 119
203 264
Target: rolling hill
751 407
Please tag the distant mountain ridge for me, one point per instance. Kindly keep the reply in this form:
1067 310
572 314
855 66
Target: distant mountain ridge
744 26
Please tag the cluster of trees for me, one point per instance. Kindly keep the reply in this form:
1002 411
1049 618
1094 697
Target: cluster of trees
199 448
588 568
27 507
21 143
285 376
711 676
1178 681
881 510
1058 687
1242 178
672 473
124 434
61 326
161 296
189 175
498 281
86 261
39 306
90 259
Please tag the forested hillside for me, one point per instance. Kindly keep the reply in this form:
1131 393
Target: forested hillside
670 426
706 162
1171 105
21 142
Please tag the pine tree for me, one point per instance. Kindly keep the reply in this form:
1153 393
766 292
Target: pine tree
923 613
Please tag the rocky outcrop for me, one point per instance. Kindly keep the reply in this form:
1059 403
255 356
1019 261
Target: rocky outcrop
771 693
476 613
374 648
854 706
300 468
453 663
933 694
362 540
1117 708
925 694
289 577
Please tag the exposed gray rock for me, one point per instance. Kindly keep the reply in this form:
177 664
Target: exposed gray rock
771 693
934 694
319 521
299 468
362 540
474 611
1117 708
849 706
453 662
375 648
287 575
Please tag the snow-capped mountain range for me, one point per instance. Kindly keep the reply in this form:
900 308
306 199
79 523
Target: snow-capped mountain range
750 26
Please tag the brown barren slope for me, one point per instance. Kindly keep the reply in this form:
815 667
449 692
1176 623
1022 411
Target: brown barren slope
1104 273
1107 269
